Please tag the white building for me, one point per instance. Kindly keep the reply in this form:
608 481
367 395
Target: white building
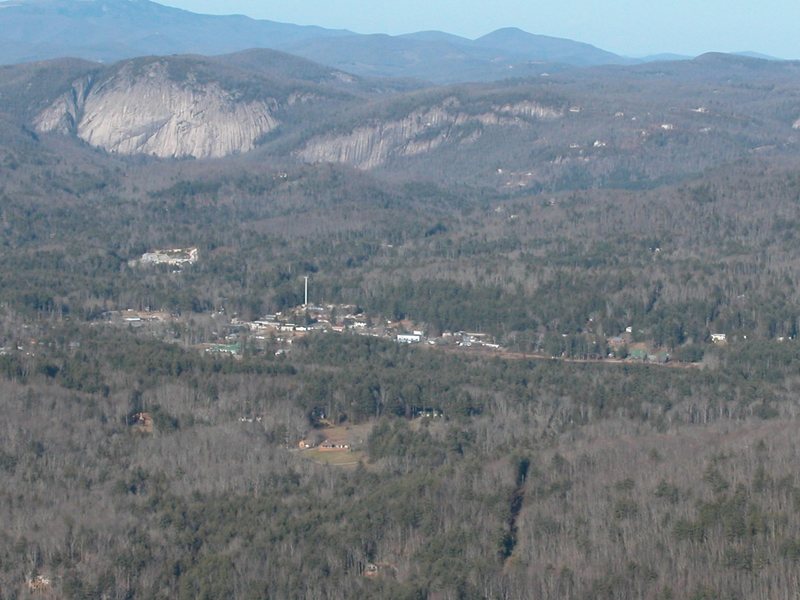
175 257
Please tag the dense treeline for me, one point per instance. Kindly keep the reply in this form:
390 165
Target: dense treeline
675 264
137 461
639 480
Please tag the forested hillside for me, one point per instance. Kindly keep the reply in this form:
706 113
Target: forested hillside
611 127
549 348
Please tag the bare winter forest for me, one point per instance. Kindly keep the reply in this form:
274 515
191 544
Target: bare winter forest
615 250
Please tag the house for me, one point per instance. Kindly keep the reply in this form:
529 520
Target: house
371 570
232 349
719 338
39 584
408 339
329 446
428 413
376 570
142 422
175 257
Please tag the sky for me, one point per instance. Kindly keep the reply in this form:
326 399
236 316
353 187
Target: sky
630 27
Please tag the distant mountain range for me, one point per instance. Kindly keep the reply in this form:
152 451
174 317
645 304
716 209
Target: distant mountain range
368 101
110 30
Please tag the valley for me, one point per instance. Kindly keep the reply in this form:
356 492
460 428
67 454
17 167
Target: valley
271 328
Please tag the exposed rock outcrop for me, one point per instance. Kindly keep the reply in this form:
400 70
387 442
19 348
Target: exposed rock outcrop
421 131
186 108
65 113
144 111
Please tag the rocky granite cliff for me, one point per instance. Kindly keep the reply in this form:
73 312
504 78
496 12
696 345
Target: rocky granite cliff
145 111
421 131
184 107
519 133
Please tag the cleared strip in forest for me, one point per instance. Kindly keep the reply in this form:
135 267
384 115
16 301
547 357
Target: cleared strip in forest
516 501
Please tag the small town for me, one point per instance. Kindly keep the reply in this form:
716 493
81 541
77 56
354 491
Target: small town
231 335
277 332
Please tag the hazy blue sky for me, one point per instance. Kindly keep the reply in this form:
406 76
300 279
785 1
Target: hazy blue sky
633 27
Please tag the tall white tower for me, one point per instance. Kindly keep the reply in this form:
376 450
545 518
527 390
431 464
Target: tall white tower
306 295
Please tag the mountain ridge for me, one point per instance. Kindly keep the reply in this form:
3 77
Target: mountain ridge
110 30
519 133
186 106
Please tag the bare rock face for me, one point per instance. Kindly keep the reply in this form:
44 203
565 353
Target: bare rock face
64 114
146 112
419 132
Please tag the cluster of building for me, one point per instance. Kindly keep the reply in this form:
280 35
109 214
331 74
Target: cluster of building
337 442
176 257
234 349
137 317
641 351
247 419
428 413
284 327
637 351
342 318
304 319
325 446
